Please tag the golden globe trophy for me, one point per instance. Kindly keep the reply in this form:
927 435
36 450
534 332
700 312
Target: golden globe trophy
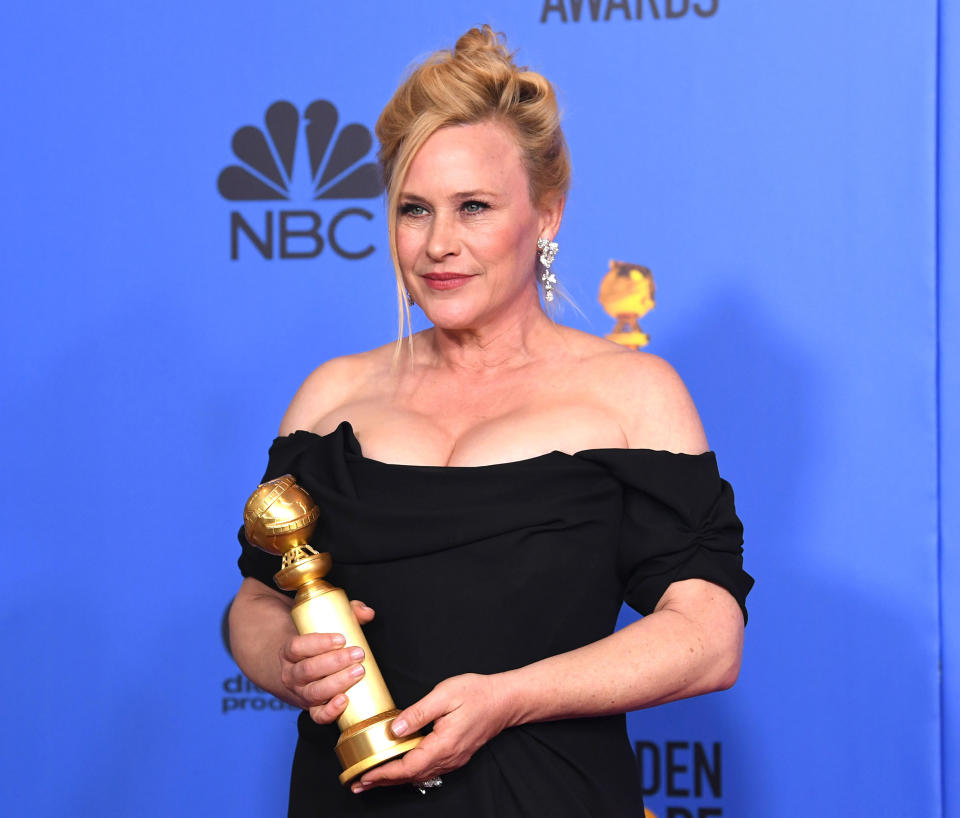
280 518
626 293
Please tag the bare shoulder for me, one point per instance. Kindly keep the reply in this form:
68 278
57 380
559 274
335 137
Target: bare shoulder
332 384
647 395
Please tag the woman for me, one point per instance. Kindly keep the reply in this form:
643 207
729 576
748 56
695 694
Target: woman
496 488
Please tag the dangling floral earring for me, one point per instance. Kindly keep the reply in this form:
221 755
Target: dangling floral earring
548 252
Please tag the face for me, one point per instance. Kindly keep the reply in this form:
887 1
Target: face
466 228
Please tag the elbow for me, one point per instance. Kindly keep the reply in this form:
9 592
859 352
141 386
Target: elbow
726 636
712 629
717 670
226 628
728 675
721 653
722 674
231 627
727 660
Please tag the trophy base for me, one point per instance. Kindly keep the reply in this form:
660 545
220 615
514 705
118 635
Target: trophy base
632 338
368 743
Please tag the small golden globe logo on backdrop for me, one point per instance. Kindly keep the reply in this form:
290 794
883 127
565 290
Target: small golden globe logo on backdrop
626 293
649 813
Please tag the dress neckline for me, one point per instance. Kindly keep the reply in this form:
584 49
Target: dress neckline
345 428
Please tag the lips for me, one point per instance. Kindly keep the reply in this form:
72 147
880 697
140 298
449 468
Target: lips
446 281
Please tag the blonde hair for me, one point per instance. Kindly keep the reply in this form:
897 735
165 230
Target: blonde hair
476 81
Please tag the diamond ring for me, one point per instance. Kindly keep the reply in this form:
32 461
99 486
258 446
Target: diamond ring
429 784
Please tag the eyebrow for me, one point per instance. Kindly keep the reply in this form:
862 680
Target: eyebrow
460 195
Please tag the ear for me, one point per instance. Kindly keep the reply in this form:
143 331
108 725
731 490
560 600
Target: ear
551 214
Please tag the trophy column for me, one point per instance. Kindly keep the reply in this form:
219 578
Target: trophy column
280 518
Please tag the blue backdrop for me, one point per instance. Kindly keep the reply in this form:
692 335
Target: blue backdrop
949 382
788 171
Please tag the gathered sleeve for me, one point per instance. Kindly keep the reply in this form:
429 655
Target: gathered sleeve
679 522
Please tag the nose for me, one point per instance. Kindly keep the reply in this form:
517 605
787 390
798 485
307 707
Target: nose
443 240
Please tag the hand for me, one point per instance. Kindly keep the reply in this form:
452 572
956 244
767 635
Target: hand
318 668
467 711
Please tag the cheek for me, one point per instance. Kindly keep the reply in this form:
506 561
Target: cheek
408 245
507 243
516 246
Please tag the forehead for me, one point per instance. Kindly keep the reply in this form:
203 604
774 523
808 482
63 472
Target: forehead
468 157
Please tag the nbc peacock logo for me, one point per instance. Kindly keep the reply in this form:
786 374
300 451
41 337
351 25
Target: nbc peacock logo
295 158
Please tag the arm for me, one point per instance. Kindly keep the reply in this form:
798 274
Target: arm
259 623
690 645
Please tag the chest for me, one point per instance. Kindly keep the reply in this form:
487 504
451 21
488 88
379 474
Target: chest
462 423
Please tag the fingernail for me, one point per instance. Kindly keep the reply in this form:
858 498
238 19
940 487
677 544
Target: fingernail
357 670
338 701
356 654
338 639
357 788
399 727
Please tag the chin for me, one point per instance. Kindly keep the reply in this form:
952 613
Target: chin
452 316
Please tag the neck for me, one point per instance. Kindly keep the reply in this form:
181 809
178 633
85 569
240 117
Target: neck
513 338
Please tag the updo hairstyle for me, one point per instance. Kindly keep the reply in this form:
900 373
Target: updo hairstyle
475 82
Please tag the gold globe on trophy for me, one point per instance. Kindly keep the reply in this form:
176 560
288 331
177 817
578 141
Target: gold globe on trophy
626 293
279 518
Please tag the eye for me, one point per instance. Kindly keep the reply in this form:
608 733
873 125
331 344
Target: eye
412 209
474 206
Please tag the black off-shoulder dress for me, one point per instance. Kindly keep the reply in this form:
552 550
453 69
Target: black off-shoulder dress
482 569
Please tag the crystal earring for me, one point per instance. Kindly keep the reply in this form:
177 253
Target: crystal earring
406 294
548 252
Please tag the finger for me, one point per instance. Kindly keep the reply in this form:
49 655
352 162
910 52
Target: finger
311 644
362 611
420 714
325 689
318 667
331 711
419 763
